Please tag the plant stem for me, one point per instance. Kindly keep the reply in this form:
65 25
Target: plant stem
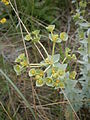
39 51
64 60
53 50
47 68
43 48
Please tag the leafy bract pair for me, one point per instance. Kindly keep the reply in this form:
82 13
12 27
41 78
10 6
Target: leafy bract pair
55 37
34 36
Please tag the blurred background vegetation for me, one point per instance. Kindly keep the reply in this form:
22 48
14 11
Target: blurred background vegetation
36 14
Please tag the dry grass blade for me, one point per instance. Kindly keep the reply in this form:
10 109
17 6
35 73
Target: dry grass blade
6 111
18 91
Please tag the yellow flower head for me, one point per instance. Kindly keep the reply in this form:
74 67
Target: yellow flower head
3 20
6 2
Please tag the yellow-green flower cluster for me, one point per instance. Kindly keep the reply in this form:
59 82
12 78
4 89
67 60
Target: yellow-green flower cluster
38 74
54 80
6 2
21 63
3 20
70 56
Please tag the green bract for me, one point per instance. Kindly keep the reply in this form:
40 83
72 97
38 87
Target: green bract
54 38
28 37
81 34
56 75
24 63
21 56
49 81
37 77
56 84
72 75
32 72
54 70
39 82
74 56
69 57
36 39
17 69
76 16
61 72
50 28
63 36
62 85
17 60
36 32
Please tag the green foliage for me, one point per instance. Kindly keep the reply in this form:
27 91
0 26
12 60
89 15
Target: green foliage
73 92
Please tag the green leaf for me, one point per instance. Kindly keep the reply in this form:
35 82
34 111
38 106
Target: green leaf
61 66
56 58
